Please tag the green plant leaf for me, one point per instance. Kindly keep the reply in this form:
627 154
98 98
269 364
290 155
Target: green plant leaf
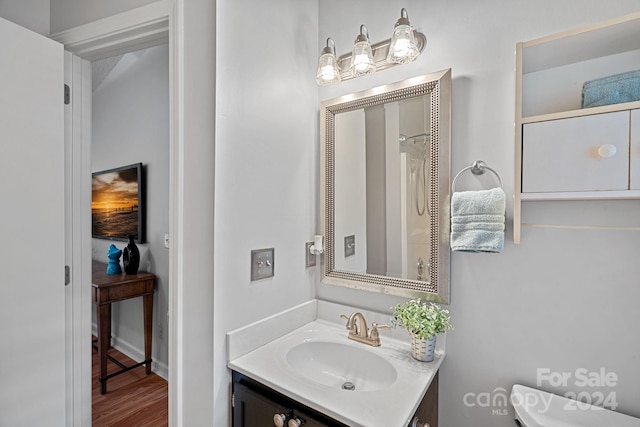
422 318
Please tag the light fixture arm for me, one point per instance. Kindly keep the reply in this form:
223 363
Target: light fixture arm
364 34
330 48
404 18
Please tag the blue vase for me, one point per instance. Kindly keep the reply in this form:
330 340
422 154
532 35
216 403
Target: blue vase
113 267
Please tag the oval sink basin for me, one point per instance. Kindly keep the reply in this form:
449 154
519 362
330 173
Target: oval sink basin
340 365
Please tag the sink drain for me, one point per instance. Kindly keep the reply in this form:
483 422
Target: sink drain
348 386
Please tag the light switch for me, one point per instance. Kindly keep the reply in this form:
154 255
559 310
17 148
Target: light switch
350 245
262 263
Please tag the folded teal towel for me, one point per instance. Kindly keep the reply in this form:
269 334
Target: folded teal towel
615 89
477 220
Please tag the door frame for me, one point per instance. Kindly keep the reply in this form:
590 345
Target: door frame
139 28
77 228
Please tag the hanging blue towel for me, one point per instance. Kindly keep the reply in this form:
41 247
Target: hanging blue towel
477 220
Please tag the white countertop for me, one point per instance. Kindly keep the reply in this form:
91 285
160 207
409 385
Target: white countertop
266 363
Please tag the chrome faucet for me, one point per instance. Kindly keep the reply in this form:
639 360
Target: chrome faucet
358 331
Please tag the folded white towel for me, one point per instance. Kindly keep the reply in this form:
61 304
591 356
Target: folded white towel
477 220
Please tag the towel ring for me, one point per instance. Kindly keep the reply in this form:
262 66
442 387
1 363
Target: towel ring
477 168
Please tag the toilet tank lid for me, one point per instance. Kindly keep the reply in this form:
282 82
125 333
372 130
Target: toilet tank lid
538 408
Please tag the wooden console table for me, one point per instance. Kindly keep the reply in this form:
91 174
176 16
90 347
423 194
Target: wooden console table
109 288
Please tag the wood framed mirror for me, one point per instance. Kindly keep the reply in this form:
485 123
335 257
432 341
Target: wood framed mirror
385 188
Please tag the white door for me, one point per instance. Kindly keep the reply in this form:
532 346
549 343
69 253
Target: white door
32 316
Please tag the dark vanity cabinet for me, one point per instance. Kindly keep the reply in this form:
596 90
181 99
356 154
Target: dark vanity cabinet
427 413
256 405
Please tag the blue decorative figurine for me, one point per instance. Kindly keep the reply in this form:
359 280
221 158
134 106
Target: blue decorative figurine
114 260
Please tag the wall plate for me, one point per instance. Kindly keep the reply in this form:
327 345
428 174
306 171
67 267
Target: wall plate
350 245
310 259
262 263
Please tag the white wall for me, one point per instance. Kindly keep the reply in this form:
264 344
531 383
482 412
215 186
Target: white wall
394 187
195 312
31 14
562 299
350 194
375 214
266 164
131 124
67 14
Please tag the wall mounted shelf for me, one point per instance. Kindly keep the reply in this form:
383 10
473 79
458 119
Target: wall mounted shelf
550 72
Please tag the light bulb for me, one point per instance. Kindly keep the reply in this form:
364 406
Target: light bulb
403 47
362 57
361 63
327 70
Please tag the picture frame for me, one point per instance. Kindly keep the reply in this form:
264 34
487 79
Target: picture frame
118 203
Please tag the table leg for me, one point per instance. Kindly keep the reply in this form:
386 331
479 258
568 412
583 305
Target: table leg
148 326
104 329
109 328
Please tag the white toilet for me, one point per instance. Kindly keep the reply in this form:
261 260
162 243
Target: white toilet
535 408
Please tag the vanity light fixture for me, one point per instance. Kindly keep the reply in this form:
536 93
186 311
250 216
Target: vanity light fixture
328 71
405 46
362 56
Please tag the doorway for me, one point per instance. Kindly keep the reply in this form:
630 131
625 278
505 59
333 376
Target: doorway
132 31
130 125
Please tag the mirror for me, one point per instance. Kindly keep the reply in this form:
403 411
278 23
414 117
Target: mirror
385 161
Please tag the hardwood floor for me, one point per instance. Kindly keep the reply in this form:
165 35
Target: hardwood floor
132 398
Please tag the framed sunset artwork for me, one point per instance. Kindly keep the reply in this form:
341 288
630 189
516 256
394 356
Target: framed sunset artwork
117 203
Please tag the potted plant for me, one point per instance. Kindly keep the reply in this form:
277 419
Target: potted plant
423 321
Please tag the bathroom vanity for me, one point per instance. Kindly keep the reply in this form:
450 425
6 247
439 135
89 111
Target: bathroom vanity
299 365
254 404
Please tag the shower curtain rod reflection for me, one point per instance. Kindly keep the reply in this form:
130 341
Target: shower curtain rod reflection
417 150
405 138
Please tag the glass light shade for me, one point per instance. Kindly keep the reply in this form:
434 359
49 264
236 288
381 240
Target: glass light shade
362 59
403 47
328 71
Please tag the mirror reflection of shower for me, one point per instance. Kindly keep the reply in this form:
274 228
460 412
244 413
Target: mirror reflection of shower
416 147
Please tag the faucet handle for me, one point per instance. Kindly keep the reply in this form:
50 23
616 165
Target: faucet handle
375 336
375 327
345 317
348 319
351 326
